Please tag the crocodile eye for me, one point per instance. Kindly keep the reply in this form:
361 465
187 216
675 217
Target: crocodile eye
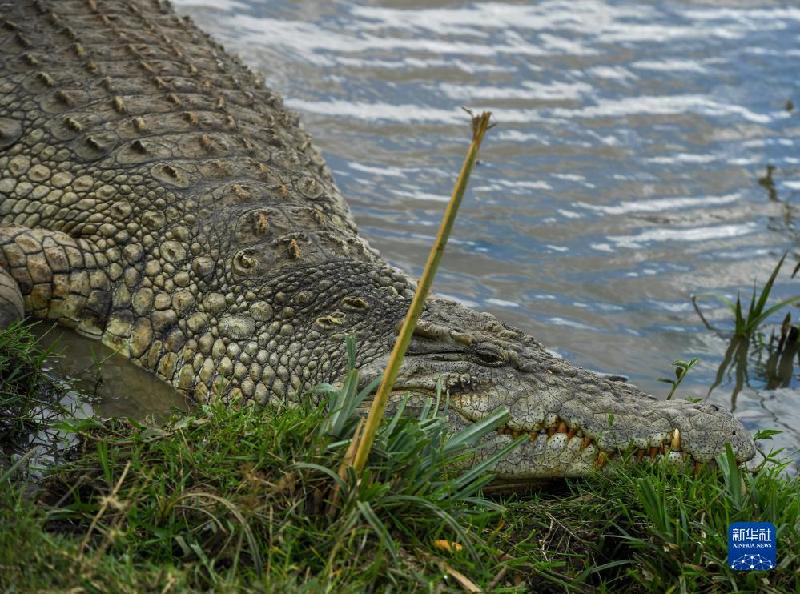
489 354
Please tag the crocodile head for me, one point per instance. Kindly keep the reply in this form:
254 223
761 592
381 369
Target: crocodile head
575 420
212 247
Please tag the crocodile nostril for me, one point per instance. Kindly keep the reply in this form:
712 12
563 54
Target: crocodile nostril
244 262
355 303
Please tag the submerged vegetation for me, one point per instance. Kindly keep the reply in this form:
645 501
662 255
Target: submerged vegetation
231 498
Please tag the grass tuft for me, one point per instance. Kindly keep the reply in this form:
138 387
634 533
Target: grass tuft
31 401
21 381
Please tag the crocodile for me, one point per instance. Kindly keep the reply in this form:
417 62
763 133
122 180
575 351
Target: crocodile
157 196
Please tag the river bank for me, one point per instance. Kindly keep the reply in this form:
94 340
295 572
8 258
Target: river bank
227 499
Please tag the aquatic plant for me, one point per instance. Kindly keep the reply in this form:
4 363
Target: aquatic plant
757 311
746 329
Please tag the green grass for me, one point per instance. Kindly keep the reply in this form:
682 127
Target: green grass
20 381
230 499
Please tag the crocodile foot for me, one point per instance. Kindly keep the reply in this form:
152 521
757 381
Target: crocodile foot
11 305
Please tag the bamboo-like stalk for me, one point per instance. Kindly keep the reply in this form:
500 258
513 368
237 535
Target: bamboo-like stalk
480 124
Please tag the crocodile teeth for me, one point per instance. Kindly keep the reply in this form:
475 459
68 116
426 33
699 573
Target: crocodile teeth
585 443
676 440
562 427
653 452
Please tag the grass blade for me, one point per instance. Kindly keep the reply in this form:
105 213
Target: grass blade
477 430
379 527
762 300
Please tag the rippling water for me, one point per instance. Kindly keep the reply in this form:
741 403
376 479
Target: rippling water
622 177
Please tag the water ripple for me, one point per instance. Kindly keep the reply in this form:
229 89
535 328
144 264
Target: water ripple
692 234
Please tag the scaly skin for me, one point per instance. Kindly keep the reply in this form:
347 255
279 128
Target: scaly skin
154 195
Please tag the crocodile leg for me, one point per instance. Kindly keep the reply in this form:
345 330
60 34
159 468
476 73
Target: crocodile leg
11 305
57 277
